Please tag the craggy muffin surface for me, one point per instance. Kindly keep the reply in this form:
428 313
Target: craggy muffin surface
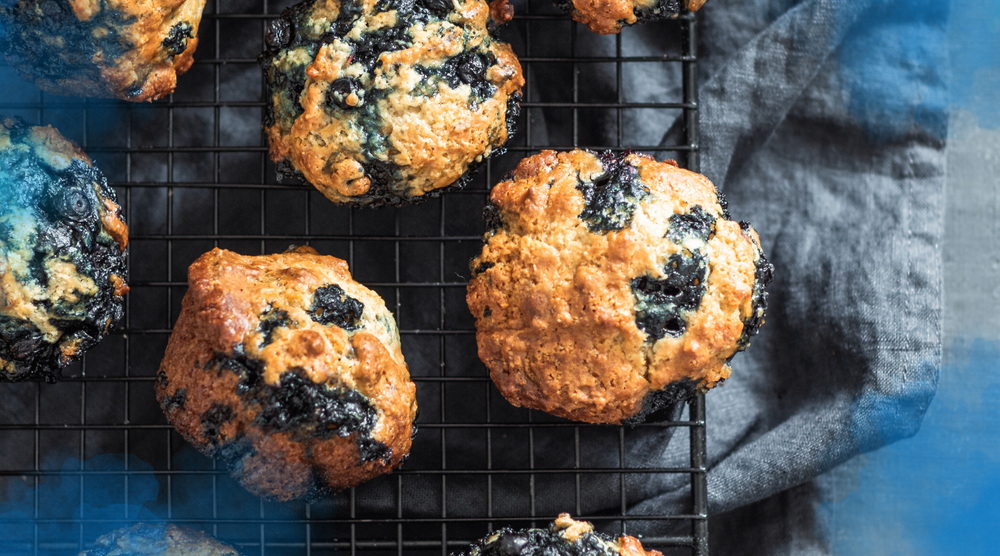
125 49
384 101
563 537
159 540
62 252
608 17
290 371
609 286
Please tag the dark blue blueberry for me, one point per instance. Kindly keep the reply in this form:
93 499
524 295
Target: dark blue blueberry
331 305
73 205
280 33
510 544
612 198
271 319
342 88
177 39
174 402
662 305
438 7
213 419
471 69
24 347
695 223
763 273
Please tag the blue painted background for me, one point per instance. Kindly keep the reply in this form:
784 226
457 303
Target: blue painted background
937 493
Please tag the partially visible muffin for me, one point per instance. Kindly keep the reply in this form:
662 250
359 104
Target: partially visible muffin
609 17
564 537
290 371
387 101
62 253
101 48
161 539
610 286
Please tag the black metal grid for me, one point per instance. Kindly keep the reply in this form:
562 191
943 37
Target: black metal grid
192 173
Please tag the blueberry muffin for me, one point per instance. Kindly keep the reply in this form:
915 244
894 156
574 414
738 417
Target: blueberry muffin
160 539
62 252
608 17
563 537
610 286
290 371
101 48
385 101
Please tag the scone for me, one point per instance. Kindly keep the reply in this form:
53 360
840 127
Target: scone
608 17
161 539
290 371
563 537
129 50
387 101
610 286
62 252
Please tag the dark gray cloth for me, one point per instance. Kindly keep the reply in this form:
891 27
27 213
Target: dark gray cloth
824 124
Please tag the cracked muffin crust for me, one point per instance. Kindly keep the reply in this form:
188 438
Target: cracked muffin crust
125 49
290 371
610 286
387 101
564 537
161 539
62 252
609 17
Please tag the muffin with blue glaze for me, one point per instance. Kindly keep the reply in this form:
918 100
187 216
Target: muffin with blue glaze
160 539
610 286
62 253
288 370
129 50
563 537
609 17
387 101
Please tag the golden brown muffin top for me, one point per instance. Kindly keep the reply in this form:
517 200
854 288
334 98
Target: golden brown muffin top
232 291
125 49
606 279
608 17
396 101
287 354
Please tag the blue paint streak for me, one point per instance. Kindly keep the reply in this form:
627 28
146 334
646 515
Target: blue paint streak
894 69
59 500
974 38
198 500
938 493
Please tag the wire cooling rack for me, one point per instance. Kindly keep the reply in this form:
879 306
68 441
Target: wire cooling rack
192 173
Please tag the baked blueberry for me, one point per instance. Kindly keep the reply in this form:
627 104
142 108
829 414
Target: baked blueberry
610 286
290 371
160 539
609 17
101 48
563 537
62 252
387 101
